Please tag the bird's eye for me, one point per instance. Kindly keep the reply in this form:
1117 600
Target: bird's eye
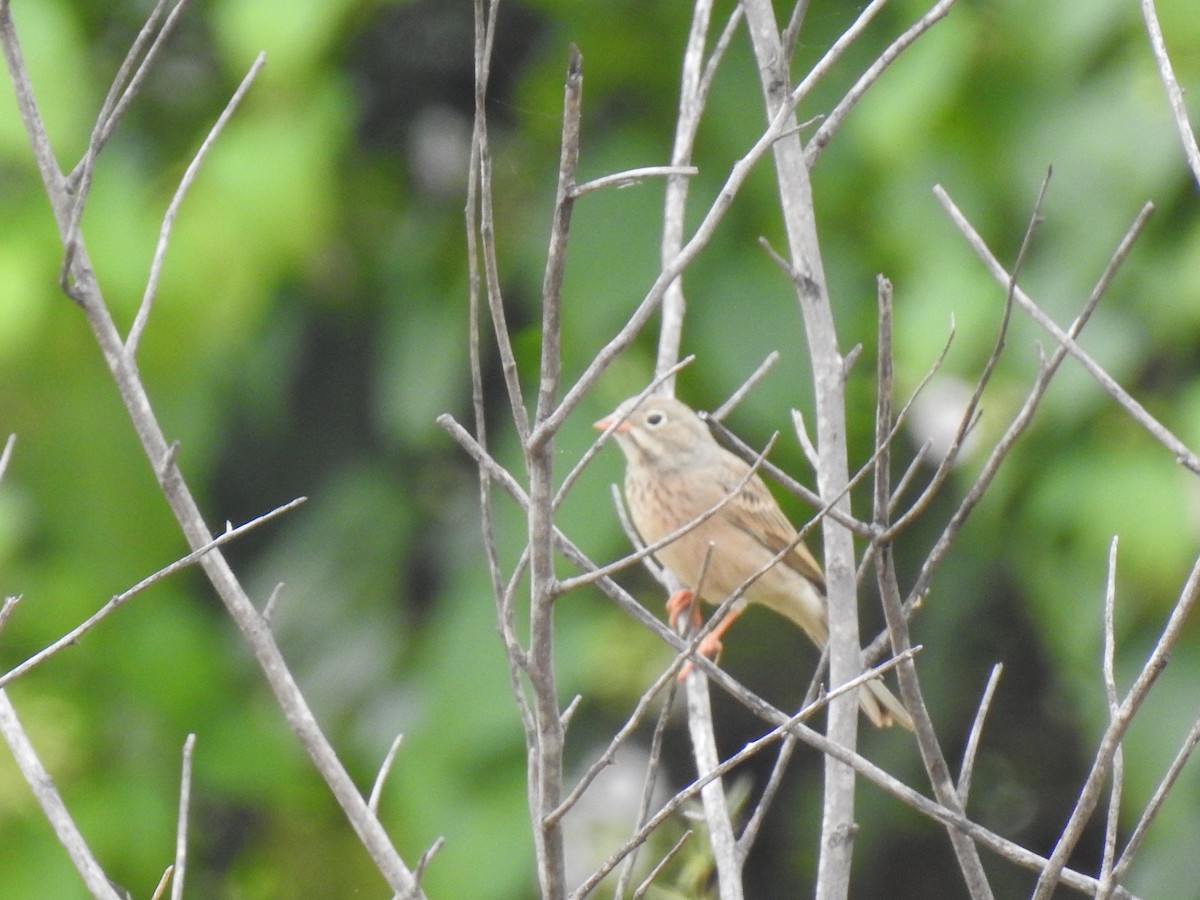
654 418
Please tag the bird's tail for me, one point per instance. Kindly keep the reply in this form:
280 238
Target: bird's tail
882 707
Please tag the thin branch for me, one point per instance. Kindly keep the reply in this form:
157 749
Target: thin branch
1158 47
1024 415
631 177
384 768
1160 795
653 766
189 175
181 829
1110 693
747 386
47 794
72 636
967 769
721 838
662 864
1182 453
161 887
969 412
754 824
835 118
1090 793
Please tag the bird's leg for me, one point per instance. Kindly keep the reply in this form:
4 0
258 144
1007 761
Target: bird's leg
683 601
710 645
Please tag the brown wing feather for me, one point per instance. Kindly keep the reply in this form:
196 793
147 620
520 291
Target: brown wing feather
756 513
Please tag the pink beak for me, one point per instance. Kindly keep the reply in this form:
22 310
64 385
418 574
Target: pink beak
604 423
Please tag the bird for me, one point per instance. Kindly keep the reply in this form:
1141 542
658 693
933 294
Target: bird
676 472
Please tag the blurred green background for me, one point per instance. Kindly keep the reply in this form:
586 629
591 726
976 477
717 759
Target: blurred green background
311 324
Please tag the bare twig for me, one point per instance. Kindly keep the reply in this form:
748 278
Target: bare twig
631 177
1066 339
181 829
893 608
1174 92
1156 802
161 887
969 412
384 768
968 763
747 386
891 54
189 175
653 766
72 636
1090 793
50 801
1110 694
657 870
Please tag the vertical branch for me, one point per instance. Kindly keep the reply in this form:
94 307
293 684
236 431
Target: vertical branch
893 608
795 191
546 790
1110 695
695 80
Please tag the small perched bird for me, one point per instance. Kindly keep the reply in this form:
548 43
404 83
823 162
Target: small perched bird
676 472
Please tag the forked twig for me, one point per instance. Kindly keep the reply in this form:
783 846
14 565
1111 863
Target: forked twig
103 612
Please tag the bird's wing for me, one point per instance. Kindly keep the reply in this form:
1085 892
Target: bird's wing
755 512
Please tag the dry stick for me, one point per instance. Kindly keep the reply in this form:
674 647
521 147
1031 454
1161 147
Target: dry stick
835 118
653 766
484 40
630 177
162 882
791 34
1019 422
73 636
1110 692
189 175
910 688
968 418
812 296
545 790
662 864
1183 454
754 823
1090 794
1013 852
181 828
691 106
666 679
1156 802
121 92
85 291
1174 92
514 653
380 777
125 88
48 798
778 733
967 769
748 385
